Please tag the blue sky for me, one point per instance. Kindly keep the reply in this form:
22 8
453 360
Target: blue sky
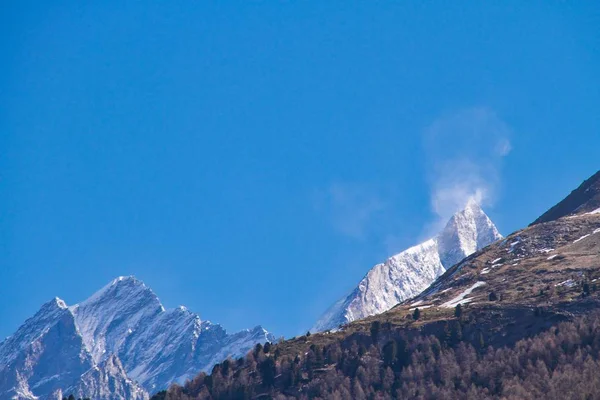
253 160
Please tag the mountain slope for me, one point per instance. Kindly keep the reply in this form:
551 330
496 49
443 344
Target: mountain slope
586 198
44 353
108 344
408 273
528 327
547 262
108 380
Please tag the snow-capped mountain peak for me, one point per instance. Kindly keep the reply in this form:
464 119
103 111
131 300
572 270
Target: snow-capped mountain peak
105 346
406 274
467 231
100 317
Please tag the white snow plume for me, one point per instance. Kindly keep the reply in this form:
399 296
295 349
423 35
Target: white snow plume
464 152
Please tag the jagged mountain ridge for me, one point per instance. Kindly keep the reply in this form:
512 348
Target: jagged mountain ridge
408 273
119 343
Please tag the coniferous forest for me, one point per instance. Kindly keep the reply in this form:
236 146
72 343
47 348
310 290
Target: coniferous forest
383 364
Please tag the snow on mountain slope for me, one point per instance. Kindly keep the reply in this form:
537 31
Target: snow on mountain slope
467 231
100 318
107 381
108 344
410 272
43 354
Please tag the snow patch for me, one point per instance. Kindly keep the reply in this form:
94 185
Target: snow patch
568 283
420 308
581 238
460 299
552 257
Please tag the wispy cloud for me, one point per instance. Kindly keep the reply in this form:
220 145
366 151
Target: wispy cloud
350 207
464 152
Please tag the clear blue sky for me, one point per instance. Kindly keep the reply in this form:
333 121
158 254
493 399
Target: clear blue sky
253 160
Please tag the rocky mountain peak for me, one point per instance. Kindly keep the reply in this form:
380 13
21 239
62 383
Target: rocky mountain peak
120 343
467 231
52 306
409 272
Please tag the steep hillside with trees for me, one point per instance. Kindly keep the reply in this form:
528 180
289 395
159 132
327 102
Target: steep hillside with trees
516 320
386 364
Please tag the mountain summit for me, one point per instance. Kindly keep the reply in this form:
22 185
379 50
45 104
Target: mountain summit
408 273
120 343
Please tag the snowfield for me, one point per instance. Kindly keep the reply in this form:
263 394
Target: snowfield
460 299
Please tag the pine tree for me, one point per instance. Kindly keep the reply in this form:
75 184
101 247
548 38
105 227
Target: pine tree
257 349
267 347
458 311
375 328
390 352
456 333
416 314
586 289
267 372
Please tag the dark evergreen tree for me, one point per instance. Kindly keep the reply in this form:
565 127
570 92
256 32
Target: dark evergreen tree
267 347
458 311
267 372
390 352
586 289
257 349
456 333
416 314
225 367
375 328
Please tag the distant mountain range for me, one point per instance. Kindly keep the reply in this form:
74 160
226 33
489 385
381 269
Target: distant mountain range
120 343
408 273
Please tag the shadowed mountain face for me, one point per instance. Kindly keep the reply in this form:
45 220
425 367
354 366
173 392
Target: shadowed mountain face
118 344
586 198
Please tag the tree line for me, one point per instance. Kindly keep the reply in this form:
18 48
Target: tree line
560 363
